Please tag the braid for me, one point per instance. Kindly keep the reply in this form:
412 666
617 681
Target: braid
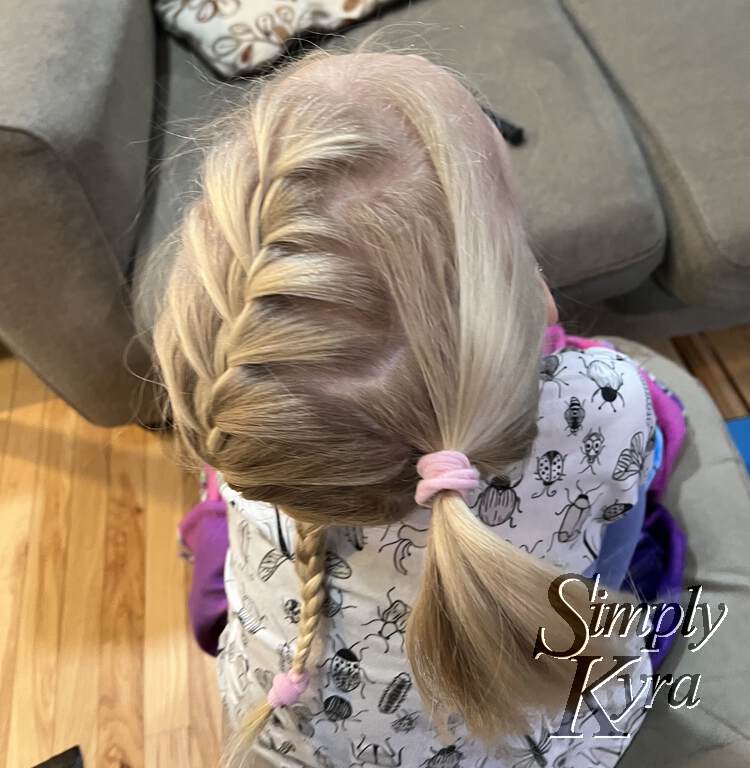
310 564
253 238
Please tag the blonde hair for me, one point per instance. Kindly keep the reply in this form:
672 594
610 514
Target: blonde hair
352 290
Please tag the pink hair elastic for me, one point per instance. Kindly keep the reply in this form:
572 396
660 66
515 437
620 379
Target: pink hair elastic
444 471
287 688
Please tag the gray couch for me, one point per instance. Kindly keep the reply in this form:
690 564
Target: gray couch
634 176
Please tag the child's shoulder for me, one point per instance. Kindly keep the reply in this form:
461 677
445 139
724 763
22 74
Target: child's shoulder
605 378
591 456
595 405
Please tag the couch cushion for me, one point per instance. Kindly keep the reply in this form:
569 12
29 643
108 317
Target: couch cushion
709 494
681 67
592 210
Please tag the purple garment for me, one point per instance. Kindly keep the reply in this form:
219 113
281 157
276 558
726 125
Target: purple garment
658 566
205 533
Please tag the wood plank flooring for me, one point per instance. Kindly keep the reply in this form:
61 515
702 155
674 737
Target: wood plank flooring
721 360
95 645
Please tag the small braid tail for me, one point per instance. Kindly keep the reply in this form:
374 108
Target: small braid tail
310 556
310 562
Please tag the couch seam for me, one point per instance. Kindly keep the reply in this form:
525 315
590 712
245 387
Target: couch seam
641 256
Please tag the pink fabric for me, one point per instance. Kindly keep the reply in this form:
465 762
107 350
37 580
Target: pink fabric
287 688
212 486
555 339
444 471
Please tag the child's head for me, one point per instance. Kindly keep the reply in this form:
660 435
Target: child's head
352 290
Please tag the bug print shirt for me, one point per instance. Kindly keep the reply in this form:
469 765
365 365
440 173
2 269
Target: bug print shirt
587 467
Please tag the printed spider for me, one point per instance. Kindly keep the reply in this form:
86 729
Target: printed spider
550 370
393 620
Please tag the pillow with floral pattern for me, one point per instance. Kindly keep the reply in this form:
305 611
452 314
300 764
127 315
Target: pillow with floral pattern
239 36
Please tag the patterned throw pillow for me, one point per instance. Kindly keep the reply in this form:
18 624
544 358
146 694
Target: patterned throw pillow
239 36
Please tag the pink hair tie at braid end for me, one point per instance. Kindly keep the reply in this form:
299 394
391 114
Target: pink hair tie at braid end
444 471
287 688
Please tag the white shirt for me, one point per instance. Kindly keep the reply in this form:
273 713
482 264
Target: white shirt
593 450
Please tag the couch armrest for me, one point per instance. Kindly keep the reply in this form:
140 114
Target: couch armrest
76 89
78 77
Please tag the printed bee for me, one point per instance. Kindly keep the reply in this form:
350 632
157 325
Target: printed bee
574 416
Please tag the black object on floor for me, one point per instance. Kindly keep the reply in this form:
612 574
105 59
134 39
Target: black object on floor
71 758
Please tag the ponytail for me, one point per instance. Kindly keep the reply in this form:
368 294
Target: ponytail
472 629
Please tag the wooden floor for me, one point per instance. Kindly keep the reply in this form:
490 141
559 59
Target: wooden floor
95 647
721 360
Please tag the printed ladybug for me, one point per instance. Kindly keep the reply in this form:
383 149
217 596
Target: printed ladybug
549 469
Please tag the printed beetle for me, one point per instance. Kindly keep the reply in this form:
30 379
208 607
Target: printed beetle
344 667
